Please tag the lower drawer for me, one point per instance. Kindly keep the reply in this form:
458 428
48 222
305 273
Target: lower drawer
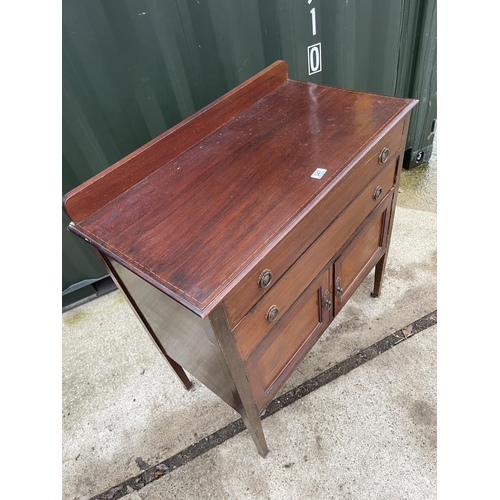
290 340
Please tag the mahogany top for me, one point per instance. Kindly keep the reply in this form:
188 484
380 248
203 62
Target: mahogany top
196 224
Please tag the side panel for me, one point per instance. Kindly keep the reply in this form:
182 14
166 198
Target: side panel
180 334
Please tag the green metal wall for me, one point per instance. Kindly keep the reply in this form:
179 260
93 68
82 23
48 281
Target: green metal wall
134 68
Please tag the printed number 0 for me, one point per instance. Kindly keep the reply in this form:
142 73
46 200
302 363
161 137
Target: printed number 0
314 54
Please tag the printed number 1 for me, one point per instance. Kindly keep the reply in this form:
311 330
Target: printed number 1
313 20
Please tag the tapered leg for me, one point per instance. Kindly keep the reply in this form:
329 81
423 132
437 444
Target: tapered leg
179 372
221 333
379 276
254 426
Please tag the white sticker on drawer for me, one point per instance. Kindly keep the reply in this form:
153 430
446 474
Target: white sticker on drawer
318 173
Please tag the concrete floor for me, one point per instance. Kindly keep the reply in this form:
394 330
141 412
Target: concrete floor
369 434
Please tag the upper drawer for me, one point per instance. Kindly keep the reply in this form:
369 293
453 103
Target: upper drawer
273 265
255 325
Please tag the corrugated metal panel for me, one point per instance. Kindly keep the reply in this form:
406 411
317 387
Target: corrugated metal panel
132 69
423 85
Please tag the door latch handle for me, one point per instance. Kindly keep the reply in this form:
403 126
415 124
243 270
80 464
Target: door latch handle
327 301
338 287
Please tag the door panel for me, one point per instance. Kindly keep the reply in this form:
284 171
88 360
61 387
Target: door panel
291 339
361 254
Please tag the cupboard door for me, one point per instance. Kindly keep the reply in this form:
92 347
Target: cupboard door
291 339
361 254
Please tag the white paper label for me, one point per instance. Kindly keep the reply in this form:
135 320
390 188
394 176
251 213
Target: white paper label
318 173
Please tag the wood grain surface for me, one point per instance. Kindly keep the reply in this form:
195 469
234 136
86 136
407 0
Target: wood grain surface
194 219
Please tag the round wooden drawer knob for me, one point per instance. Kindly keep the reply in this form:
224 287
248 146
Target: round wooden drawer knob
265 278
272 314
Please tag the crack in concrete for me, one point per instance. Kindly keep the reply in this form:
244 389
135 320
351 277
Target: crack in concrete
206 444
